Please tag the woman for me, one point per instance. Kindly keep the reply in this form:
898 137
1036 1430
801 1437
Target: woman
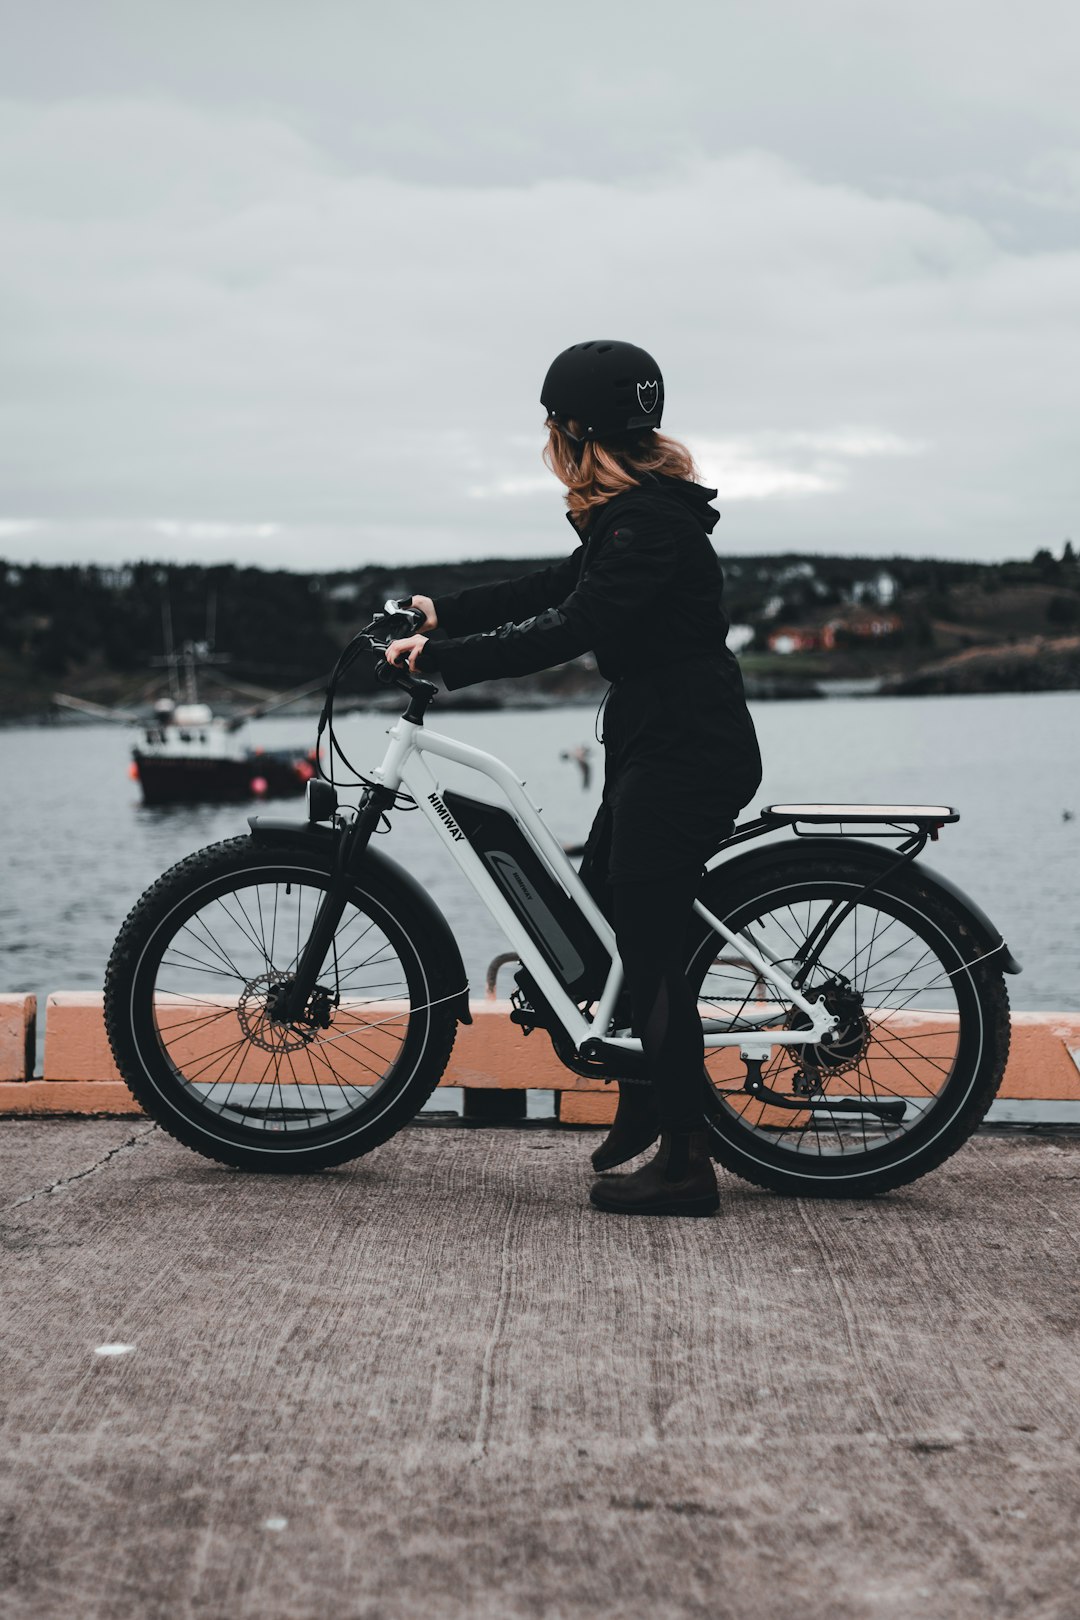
643 592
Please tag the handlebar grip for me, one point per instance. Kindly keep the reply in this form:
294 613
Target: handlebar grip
388 674
397 675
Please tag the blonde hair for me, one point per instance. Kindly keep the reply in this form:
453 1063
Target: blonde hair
593 473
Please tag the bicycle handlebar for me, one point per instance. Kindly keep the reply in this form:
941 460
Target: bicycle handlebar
388 674
371 638
421 692
402 609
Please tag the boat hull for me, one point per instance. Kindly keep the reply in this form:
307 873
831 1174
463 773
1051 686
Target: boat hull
262 774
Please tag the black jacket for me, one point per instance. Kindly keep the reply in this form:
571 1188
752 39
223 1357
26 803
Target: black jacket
643 587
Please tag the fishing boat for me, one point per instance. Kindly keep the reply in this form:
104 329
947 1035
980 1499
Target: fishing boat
189 754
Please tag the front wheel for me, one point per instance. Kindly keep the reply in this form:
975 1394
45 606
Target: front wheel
191 991
918 1053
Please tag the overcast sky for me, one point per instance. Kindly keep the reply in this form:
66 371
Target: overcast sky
280 280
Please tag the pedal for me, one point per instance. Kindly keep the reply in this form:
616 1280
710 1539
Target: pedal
529 1009
522 1014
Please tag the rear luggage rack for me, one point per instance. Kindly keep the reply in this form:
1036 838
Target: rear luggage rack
911 824
887 815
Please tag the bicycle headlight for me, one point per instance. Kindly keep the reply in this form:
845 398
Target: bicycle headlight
321 800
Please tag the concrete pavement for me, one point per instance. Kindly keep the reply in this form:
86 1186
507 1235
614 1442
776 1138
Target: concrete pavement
436 1382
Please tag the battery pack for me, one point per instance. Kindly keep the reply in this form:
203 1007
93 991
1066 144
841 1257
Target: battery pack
546 912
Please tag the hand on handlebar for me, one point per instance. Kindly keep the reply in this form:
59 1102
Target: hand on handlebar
406 651
426 606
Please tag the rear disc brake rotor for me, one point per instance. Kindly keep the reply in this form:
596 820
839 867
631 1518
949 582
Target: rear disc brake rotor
844 1047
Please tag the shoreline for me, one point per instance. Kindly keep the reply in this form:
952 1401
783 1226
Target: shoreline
825 689
1035 665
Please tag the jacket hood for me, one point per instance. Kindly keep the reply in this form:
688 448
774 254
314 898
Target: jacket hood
695 497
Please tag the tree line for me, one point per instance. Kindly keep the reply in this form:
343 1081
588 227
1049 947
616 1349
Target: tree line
278 627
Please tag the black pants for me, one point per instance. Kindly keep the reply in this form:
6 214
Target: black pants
651 917
650 927
681 761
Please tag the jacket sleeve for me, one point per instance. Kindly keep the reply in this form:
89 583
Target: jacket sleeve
481 607
637 562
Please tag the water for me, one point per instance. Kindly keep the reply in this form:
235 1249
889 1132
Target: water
79 848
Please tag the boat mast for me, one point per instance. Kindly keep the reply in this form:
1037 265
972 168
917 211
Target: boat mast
170 660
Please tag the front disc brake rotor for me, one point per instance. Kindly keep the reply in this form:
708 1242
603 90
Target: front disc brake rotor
253 1011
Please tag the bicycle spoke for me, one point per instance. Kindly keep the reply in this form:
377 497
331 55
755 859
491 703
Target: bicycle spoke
877 966
244 929
217 949
214 990
198 964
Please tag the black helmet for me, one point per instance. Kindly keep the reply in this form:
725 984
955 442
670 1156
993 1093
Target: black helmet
609 389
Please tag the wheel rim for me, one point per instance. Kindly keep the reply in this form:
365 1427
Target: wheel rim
906 1013
202 1005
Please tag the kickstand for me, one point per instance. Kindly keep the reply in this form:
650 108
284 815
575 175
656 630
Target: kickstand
754 1082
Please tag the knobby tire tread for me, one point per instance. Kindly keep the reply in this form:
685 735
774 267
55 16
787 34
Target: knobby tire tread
216 860
993 997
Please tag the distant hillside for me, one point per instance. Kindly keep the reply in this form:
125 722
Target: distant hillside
902 623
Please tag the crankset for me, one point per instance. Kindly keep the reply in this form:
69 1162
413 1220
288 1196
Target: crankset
597 1060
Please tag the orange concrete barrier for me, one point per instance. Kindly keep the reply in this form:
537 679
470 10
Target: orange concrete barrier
81 1077
18 1034
1044 1056
1044 1064
490 1054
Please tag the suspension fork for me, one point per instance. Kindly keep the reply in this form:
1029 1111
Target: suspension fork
351 843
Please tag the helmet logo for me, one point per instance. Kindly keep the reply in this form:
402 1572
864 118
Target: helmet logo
647 395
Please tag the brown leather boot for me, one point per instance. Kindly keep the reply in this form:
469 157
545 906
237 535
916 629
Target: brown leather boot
678 1180
636 1127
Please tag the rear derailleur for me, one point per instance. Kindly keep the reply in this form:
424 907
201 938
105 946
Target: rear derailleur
839 1049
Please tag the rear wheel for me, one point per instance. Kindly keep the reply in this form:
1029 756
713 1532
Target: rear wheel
191 994
916 1059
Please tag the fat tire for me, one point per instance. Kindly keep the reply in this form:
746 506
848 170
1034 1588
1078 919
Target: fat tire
974 1090
151 1090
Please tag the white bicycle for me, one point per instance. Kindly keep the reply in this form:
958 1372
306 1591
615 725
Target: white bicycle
287 1000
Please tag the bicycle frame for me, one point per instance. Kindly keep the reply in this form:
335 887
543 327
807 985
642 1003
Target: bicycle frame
405 766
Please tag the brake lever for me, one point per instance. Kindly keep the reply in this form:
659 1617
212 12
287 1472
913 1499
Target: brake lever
402 610
388 674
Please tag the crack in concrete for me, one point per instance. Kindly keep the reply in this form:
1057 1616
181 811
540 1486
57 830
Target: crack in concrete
487 1380
80 1175
849 1321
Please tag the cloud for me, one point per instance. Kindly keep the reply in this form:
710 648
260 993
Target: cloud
889 99
303 361
225 533
789 465
509 487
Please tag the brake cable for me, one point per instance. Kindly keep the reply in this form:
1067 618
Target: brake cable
362 642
